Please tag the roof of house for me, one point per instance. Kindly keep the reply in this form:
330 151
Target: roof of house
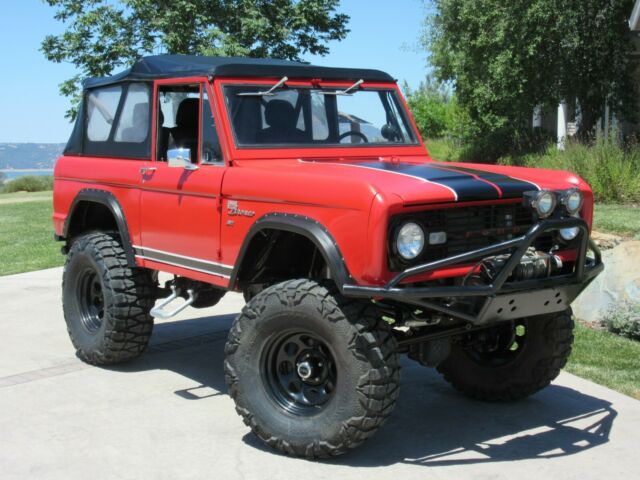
634 21
173 66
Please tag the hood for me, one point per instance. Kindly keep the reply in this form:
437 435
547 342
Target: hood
417 181
414 181
464 184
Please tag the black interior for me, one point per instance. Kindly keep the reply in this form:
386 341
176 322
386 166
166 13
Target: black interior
185 133
281 118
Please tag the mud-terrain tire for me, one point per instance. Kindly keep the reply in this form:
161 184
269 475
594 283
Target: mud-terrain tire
348 336
106 303
544 347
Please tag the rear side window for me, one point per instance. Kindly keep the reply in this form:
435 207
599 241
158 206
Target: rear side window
118 121
133 125
102 107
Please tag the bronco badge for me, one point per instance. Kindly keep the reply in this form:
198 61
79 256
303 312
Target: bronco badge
233 210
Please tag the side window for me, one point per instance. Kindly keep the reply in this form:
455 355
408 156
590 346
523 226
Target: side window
178 119
210 148
133 125
102 105
117 121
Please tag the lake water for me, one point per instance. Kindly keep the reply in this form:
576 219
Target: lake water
11 174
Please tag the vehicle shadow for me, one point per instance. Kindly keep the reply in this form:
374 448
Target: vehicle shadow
432 425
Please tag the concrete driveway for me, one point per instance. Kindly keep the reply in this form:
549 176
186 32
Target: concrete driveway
167 415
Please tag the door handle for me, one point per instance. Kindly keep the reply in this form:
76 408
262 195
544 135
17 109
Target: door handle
145 170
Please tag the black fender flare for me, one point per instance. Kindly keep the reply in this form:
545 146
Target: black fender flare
307 227
109 200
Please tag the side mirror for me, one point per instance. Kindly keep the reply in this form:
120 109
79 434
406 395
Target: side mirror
180 158
389 132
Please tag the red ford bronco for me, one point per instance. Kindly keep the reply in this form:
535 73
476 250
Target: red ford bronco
309 190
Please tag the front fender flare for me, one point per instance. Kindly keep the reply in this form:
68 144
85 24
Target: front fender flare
307 227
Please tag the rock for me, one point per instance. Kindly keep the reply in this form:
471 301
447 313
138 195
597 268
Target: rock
619 282
606 241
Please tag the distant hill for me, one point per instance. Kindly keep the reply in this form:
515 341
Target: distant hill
29 155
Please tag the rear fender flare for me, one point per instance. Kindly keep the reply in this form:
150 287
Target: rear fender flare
107 199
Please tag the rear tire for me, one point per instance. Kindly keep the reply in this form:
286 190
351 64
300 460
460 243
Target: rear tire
312 374
523 362
106 303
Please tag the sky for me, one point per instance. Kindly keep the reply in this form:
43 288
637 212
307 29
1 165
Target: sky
384 35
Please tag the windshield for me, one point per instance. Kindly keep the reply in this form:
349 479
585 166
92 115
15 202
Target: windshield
301 116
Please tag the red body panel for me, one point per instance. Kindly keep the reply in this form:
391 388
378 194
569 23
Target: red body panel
186 212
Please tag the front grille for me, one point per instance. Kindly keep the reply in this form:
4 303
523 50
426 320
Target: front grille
468 228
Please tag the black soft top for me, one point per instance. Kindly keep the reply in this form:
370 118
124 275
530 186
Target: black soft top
172 66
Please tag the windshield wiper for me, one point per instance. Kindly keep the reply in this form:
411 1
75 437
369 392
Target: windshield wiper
348 91
265 93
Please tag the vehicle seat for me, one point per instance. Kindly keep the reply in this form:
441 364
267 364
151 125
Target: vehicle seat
185 133
280 115
163 136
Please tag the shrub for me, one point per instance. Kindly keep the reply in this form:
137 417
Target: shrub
624 320
443 150
435 110
612 171
29 183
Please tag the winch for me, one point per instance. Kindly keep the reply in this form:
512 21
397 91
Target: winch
534 264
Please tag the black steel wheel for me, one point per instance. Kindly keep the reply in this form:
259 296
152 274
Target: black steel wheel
311 373
106 303
90 300
510 361
300 372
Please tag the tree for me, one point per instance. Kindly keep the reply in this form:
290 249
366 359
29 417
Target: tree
103 35
434 109
505 58
597 65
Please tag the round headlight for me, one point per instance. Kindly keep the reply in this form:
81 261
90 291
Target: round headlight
410 240
569 234
544 203
572 201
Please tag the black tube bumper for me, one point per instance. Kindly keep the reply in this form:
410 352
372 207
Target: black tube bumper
502 300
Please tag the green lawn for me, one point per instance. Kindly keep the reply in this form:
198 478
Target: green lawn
607 359
26 234
24 197
621 219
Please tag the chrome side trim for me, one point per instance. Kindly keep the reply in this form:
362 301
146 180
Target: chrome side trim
183 261
166 262
154 250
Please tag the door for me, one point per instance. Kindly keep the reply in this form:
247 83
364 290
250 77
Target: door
180 216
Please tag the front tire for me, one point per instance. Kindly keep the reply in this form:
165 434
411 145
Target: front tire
512 361
312 374
106 303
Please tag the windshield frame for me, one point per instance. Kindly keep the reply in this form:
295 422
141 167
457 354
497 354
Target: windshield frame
415 147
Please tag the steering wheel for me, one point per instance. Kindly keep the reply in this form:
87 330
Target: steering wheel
353 132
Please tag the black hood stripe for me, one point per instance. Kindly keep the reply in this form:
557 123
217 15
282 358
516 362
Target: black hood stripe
394 168
511 187
465 186
465 183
